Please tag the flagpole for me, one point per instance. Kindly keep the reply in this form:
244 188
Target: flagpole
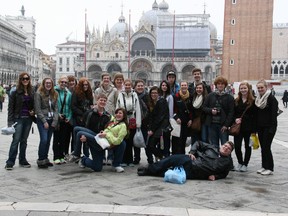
173 43
85 73
129 44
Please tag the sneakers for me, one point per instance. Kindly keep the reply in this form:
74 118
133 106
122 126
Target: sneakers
72 158
243 168
123 164
119 169
9 167
260 170
109 162
25 164
104 161
57 161
62 161
80 163
238 168
267 172
136 162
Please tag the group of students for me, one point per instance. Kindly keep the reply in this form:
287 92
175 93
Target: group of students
117 108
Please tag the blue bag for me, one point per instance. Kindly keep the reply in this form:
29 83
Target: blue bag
176 176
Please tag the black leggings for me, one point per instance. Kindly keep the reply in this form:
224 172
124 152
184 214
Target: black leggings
238 147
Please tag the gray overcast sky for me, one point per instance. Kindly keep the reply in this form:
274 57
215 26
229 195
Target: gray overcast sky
56 19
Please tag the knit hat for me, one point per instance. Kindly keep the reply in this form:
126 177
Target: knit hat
170 73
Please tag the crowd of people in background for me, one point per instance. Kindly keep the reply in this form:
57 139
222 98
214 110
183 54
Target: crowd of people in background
73 114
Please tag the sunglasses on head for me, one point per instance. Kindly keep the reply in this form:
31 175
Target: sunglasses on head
25 78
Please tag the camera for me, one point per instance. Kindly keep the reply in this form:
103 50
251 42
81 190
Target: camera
129 112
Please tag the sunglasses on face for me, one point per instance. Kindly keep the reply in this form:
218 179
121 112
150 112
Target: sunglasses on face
25 78
63 82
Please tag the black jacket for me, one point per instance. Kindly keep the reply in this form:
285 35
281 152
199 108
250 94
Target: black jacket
248 122
191 87
16 103
159 117
209 162
267 117
79 106
96 122
225 103
183 109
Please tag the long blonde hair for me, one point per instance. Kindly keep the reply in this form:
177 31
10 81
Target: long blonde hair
250 97
53 94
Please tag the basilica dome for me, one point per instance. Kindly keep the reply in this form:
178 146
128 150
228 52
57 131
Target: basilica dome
149 18
119 29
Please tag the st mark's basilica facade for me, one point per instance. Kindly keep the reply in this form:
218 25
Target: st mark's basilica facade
162 42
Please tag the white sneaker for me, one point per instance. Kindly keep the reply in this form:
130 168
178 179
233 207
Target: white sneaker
81 165
109 162
243 168
238 167
260 170
119 169
267 172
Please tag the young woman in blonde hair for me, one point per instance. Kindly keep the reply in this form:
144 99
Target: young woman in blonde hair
244 103
267 108
46 109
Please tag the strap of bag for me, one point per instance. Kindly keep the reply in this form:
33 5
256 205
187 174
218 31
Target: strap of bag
124 100
63 103
244 112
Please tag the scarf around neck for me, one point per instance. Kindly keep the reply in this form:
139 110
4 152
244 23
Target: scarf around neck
184 96
261 102
198 101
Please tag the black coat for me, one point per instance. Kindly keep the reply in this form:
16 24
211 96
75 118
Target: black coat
267 117
209 162
15 104
79 106
248 122
159 117
96 122
226 103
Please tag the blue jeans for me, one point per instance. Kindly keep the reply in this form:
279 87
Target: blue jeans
45 138
78 131
215 135
159 168
20 136
98 155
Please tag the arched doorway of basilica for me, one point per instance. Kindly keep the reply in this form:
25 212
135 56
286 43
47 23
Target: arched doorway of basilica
94 74
143 76
166 69
187 73
139 68
113 67
207 76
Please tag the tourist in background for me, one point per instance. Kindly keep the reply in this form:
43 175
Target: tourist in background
285 98
266 109
244 103
2 97
46 109
20 110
